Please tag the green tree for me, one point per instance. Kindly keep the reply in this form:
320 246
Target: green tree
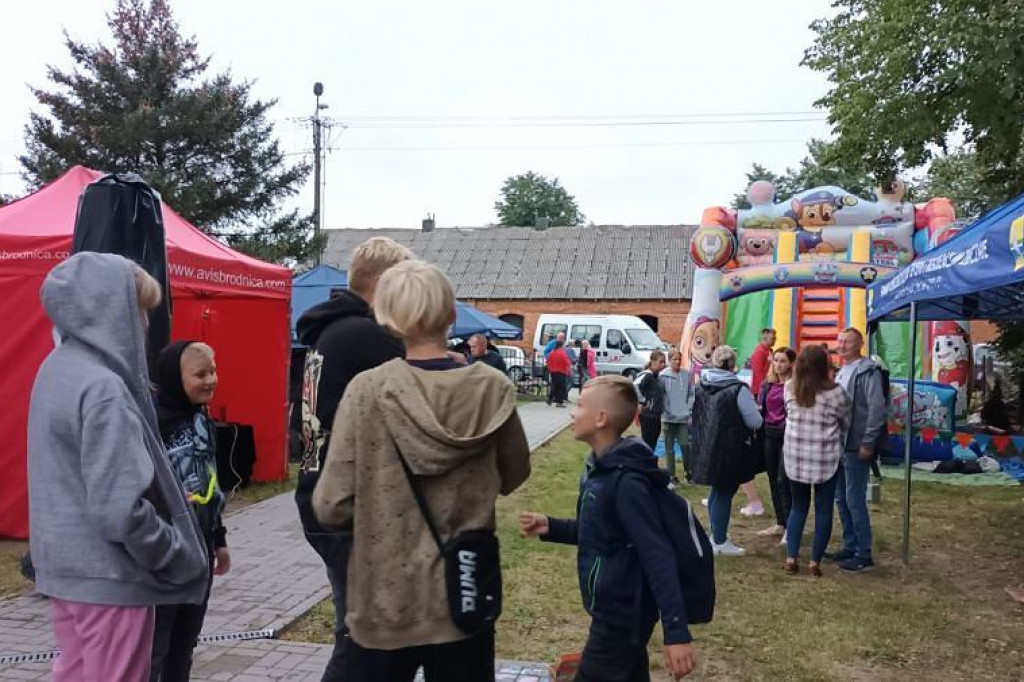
146 105
910 76
815 170
533 200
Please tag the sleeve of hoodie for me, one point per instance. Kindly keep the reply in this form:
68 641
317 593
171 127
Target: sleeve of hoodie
513 454
876 408
334 494
640 517
116 479
748 409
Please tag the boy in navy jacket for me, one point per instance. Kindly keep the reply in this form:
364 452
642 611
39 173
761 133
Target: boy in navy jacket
626 564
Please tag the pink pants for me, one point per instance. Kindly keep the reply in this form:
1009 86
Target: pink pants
102 643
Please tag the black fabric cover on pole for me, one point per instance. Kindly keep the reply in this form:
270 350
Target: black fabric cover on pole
121 214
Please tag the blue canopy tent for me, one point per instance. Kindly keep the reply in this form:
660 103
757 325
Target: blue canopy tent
313 287
978 274
469 321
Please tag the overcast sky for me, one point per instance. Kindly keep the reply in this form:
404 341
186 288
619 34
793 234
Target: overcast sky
647 111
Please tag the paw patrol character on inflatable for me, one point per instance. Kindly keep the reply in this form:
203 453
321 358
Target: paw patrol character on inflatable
703 342
951 359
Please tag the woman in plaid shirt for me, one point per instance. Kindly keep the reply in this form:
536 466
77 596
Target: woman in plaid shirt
817 418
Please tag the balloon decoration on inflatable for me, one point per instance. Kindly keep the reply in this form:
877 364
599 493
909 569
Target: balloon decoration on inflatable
712 247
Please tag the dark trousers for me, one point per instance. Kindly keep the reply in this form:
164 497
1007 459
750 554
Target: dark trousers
650 429
334 549
468 660
175 636
558 391
615 654
775 468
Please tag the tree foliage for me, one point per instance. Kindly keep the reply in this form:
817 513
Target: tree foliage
533 200
815 170
146 105
959 177
908 77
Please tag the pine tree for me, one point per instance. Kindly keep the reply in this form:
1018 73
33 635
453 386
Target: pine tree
147 105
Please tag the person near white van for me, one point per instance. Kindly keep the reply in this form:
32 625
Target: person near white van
675 418
622 344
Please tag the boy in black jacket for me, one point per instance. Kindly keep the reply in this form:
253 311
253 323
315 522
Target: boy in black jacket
344 340
626 564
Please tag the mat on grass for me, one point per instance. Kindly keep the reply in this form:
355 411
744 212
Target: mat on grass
997 478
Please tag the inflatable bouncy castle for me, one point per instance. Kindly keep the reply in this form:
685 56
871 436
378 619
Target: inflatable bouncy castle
800 265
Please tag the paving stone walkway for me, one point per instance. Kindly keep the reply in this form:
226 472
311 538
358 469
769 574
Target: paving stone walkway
275 578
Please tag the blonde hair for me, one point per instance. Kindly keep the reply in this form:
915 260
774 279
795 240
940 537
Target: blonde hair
724 357
147 289
622 398
415 300
371 259
200 348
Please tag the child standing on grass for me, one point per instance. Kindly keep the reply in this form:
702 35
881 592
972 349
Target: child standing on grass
626 562
653 404
675 419
450 430
186 375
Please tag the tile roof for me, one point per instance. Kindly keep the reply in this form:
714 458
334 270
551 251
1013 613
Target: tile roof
604 262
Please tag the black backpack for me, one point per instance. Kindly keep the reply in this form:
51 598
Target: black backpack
695 561
882 445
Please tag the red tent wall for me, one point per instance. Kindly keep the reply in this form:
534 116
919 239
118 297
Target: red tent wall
237 304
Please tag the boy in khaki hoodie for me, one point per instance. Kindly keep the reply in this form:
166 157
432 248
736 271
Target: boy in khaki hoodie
458 429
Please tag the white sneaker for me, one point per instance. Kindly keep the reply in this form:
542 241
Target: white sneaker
775 529
727 548
782 542
751 510
704 501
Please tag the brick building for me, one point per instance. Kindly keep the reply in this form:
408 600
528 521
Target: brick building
518 273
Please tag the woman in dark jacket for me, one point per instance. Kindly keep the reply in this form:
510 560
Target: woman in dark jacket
772 403
652 405
186 375
725 418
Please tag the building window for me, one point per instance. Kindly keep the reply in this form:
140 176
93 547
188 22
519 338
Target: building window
651 321
514 319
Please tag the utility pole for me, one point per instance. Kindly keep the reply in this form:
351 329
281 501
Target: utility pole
318 89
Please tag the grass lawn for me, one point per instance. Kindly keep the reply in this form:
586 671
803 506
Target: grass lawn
946 617
11 581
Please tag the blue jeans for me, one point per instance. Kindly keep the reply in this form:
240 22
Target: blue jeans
852 500
719 511
824 498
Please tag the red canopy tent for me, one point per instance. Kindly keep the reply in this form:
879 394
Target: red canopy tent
237 304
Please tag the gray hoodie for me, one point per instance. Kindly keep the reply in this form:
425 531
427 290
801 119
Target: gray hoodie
679 396
744 399
108 522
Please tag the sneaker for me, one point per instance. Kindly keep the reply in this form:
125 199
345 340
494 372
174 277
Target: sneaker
752 510
704 501
775 529
727 548
672 485
856 564
782 542
841 555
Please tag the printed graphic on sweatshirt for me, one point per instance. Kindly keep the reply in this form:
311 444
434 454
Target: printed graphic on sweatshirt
313 436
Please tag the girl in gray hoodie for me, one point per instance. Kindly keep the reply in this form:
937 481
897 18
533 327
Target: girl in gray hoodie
110 531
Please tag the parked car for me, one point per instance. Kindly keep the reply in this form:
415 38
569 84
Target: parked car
516 365
622 343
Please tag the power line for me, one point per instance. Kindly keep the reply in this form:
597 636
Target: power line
468 148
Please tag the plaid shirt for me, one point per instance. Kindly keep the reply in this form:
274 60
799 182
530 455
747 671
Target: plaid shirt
815 435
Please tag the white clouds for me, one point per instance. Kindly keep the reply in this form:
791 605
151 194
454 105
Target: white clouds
490 59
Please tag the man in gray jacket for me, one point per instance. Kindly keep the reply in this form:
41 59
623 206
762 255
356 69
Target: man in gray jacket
110 531
675 418
862 380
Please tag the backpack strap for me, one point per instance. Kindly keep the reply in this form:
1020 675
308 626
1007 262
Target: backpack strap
421 501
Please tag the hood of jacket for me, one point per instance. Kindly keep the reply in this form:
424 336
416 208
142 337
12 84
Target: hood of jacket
92 301
628 453
718 378
440 419
312 323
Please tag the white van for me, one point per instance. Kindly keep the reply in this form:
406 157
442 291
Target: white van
622 343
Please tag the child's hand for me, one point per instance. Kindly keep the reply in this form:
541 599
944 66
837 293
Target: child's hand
222 561
532 524
679 659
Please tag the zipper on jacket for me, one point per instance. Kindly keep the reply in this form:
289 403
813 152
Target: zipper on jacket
595 573
693 531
